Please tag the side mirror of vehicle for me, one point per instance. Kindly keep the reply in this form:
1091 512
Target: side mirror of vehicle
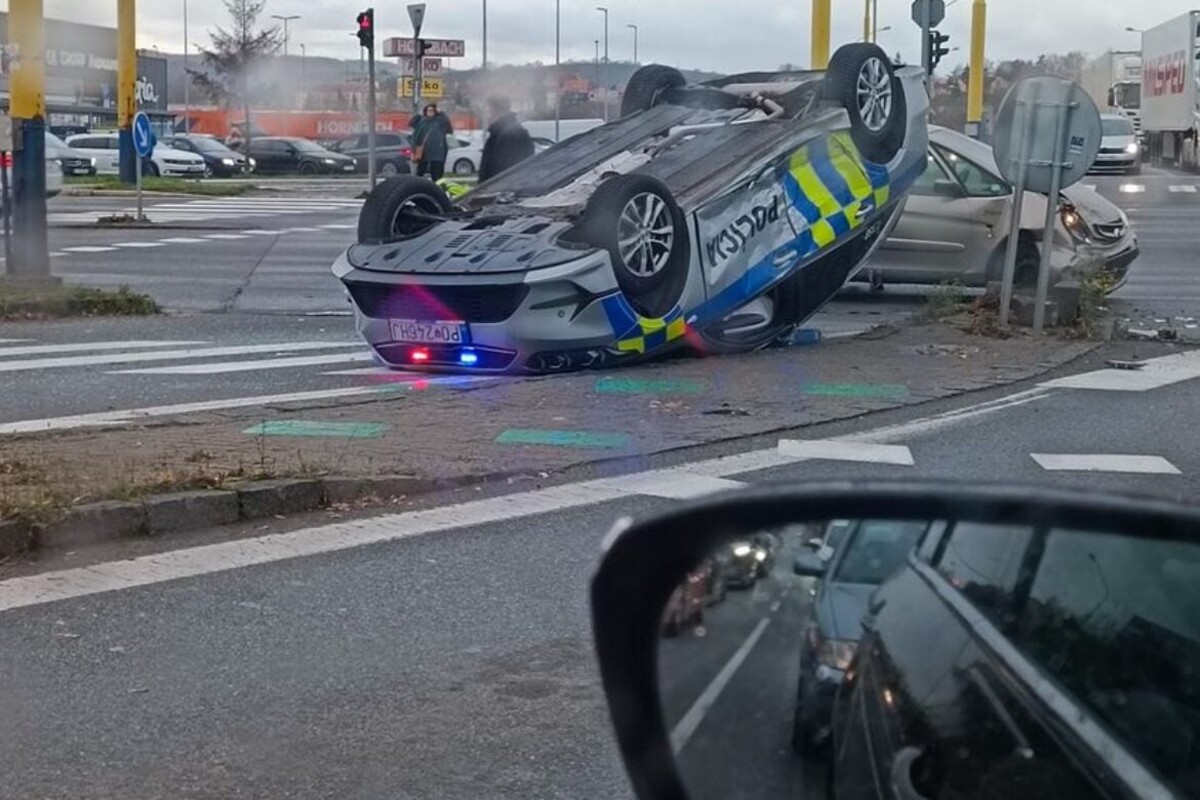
665 622
809 565
947 188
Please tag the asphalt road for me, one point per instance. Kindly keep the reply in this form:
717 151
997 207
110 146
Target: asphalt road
446 653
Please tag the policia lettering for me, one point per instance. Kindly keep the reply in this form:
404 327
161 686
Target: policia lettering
734 237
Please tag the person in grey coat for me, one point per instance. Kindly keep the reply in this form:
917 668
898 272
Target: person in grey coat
430 131
508 143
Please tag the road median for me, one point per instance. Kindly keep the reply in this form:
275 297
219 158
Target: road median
401 437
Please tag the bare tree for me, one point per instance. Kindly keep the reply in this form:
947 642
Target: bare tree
236 53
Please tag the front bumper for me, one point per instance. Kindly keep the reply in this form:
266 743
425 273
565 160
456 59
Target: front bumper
541 320
182 171
1115 163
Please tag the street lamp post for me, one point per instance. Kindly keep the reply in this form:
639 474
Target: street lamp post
187 79
635 42
285 19
485 35
604 79
558 82
303 74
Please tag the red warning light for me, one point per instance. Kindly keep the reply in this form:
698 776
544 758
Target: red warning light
419 356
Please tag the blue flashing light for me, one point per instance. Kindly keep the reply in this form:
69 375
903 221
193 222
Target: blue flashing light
468 358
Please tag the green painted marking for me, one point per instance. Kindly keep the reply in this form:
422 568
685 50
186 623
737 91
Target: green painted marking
628 386
563 438
856 389
333 430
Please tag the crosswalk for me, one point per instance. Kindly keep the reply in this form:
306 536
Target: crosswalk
224 208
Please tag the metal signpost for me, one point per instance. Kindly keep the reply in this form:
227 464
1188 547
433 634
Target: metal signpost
6 147
143 146
416 14
1047 137
928 13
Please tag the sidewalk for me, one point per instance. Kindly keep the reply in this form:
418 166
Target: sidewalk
517 426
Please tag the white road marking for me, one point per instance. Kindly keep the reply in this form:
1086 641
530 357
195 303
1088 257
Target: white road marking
260 232
7 341
64 584
1187 189
775 606
226 236
48 349
182 240
1156 373
337 227
1097 462
164 355
223 367
687 726
1091 186
88 249
382 371
137 244
1132 188
672 485
835 450
302 230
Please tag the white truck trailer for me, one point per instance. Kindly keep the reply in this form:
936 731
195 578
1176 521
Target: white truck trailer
1114 81
1170 115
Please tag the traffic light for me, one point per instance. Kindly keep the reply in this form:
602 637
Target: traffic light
937 48
366 29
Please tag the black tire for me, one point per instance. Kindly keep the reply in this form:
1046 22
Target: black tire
647 85
152 169
464 166
384 214
308 168
208 172
391 169
654 264
1029 261
880 137
803 736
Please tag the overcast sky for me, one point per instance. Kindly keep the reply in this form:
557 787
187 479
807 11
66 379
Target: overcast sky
710 34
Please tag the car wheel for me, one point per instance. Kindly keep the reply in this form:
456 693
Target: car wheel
861 78
647 85
208 171
389 170
1029 262
641 226
464 166
804 734
152 170
308 168
401 207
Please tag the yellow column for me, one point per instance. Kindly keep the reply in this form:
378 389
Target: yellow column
27 83
975 87
126 83
866 20
820 33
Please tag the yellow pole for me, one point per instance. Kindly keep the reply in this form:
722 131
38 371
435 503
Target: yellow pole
820 33
866 20
975 86
126 84
27 105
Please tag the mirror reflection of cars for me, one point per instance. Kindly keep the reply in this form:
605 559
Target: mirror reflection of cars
1119 148
393 152
745 560
72 161
219 160
954 226
874 549
164 161
703 587
1054 663
290 155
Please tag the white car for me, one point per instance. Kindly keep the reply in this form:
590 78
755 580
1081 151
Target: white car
165 161
466 158
54 173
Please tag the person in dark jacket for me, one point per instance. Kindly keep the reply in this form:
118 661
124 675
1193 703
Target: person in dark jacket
508 143
430 132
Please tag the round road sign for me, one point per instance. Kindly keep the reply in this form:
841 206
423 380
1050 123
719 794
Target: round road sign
1025 130
143 137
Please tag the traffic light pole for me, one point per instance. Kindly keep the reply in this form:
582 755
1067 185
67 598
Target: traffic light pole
30 257
371 116
927 38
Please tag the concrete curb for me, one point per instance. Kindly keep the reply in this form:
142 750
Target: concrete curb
176 512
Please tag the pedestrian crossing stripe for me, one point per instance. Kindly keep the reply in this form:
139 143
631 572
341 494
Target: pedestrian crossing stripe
1182 189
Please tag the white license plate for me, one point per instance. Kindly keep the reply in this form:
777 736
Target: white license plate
411 330
348 168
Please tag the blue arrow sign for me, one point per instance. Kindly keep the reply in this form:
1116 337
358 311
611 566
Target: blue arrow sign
143 140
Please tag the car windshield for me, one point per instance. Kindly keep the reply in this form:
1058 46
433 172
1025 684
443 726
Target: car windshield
305 146
1116 126
204 144
876 549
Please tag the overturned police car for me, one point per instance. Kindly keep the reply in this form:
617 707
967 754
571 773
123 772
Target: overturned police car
715 217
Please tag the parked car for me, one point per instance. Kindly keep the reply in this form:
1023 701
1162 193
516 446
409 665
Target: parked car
872 552
165 161
642 237
54 172
1009 661
72 161
282 155
466 158
219 160
743 564
954 226
1119 148
393 152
